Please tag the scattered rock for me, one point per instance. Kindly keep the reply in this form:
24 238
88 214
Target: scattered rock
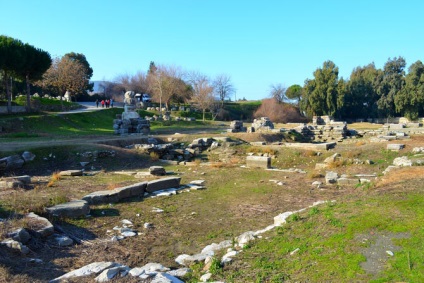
20 235
205 277
92 268
181 272
331 177
395 146
402 161
12 244
157 171
162 277
28 156
63 241
71 173
44 227
111 273
245 238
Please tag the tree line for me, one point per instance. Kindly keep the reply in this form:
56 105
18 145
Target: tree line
34 66
369 92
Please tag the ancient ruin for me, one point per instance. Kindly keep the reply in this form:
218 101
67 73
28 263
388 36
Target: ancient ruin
323 129
129 121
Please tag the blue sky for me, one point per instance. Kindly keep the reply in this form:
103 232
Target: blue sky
257 43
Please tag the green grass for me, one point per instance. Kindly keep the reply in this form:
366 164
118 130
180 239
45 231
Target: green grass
328 250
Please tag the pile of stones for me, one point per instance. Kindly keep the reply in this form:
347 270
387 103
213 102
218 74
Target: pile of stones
129 122
263 124
236 126
16 161
179 151
129 126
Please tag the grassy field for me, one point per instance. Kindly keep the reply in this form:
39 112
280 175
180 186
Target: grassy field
327 243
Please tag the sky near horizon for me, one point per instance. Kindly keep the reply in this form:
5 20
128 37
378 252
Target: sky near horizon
256 43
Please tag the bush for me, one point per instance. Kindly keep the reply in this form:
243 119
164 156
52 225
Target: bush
279 112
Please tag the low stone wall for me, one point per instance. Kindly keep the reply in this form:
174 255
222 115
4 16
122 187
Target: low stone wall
312 146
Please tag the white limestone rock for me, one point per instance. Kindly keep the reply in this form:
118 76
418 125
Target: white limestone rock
111 273
165 278
402 161
148 268
92 268
245 238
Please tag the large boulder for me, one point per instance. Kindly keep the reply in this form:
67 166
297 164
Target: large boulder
44 227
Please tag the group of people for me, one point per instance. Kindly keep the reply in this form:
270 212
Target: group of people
105 103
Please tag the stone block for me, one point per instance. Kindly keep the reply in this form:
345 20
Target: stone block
100 197
347 181
72 209
71 173
388 138
258 162
138 189
259 143
123 192
396 126
25 179
414 125
395 146
163 184
157 170
331 177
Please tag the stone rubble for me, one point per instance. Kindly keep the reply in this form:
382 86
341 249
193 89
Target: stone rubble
16 161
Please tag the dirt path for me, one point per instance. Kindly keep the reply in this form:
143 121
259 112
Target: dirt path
20 144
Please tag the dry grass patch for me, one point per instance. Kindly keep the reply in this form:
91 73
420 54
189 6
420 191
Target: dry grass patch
401 175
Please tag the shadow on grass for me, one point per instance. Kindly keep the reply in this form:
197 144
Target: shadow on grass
101 212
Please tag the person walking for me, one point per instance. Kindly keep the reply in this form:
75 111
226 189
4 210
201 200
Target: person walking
111 102
97 103
103 103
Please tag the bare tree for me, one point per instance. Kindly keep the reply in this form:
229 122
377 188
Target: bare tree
223 87
65 75
278 91
165 83
137 83
202 92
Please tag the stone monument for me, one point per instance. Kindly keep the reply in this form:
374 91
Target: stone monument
129 121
